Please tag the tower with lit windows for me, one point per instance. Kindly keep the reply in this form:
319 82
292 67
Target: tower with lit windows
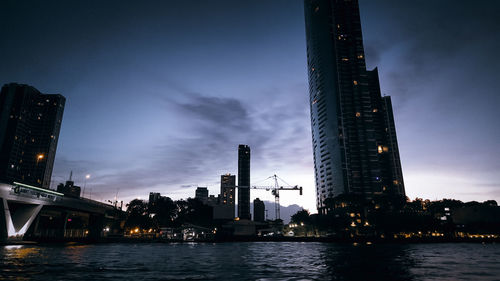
227 189
29 130
355 147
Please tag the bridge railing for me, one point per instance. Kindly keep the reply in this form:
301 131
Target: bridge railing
35 192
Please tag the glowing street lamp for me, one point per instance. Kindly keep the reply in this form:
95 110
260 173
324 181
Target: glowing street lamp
39 157
87 176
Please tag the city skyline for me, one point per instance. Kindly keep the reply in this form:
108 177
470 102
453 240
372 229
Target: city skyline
141 118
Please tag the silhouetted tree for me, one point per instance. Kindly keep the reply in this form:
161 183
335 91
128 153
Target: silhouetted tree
193 211
301 216
138 215
165 212
490 203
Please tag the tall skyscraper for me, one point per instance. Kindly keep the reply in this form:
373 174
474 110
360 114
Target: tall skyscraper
227 187
354 137
29 129
244 181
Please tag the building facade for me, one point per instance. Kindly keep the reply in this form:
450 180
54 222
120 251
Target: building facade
29 130
355 147
227 189
259 210
244 182
201 194
154 202
69 189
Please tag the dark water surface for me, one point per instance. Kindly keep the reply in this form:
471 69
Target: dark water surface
251 261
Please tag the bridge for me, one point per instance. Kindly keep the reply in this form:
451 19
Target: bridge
37 214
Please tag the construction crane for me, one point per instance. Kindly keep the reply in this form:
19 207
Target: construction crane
275 190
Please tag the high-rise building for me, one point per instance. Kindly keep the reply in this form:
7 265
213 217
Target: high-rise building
202 194
154 200
227 187
69 189
259 210
354 138
244 181
29 129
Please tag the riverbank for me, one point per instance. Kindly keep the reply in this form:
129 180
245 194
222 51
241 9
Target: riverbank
361 240
356 240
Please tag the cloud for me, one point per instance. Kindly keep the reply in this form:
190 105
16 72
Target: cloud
436 59
205 145
425 43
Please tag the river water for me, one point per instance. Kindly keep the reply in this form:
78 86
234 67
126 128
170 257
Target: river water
251 261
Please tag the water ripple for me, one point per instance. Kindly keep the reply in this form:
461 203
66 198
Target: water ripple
251 261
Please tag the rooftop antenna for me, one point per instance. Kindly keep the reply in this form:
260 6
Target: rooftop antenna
116 197
70 175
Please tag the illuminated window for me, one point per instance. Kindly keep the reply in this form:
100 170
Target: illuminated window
386 149
313 69
360 56
380 149
345 59
358 114
396 182
375 110
316 9
355 82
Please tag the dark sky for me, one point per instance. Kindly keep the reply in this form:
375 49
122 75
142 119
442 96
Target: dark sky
160 93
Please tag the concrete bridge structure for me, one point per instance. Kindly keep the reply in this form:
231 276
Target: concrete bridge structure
37 214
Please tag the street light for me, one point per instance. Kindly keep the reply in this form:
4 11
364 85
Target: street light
87 176
39 157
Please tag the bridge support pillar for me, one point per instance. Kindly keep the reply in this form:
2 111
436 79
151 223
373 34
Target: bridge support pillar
16 218
96 224
64 222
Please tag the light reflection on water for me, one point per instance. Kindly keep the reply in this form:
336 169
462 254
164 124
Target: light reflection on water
251 261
